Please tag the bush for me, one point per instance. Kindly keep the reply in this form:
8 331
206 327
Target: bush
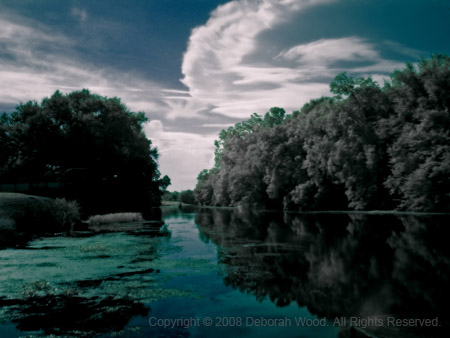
66 213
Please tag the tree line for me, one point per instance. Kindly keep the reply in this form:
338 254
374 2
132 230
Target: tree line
366 147
92 144
184 196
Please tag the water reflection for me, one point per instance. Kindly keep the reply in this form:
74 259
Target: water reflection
332 266
339 265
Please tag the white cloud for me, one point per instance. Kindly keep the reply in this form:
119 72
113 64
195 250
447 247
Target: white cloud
322 55
327 51
218 75
218 125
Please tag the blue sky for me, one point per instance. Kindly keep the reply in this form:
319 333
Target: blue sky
197 66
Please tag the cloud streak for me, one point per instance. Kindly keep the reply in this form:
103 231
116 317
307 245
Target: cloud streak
79 14
327 51
220 69
35 62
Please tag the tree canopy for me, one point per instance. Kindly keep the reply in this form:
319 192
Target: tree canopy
93 144
368 147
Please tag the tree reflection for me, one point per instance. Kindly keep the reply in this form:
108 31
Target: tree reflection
336 264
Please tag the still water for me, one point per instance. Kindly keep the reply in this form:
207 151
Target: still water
216 272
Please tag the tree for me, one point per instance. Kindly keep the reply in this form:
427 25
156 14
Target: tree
187 196
273 117
173 196
203 190
343 86
420 151
92 144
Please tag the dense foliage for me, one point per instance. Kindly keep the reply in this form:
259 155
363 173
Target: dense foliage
185 196
171 196
365 148
93 145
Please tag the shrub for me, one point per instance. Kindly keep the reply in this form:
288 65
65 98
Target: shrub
66 213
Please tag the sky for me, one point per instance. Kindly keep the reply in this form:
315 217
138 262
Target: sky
196 67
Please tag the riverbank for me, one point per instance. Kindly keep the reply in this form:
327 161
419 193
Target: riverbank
22 217
26 217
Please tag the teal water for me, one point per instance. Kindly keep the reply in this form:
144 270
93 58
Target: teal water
227 273
233 313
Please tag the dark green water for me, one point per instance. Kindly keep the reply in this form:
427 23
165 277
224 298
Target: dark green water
220 273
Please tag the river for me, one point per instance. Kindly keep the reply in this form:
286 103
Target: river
218 273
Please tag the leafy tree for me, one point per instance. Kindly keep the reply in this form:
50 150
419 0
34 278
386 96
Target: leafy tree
187 196
164 183
203 190
358 158
420 152
173 196
93 144
343 86
273 117
319 190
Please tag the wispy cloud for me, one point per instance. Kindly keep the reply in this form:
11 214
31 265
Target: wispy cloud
403 50
214 68
327 51
325 56
36 61
220 69
219 73
79 13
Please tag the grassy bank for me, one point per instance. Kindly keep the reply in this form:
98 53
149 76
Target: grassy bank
23 217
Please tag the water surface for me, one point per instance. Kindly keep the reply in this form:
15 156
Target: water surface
215 272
